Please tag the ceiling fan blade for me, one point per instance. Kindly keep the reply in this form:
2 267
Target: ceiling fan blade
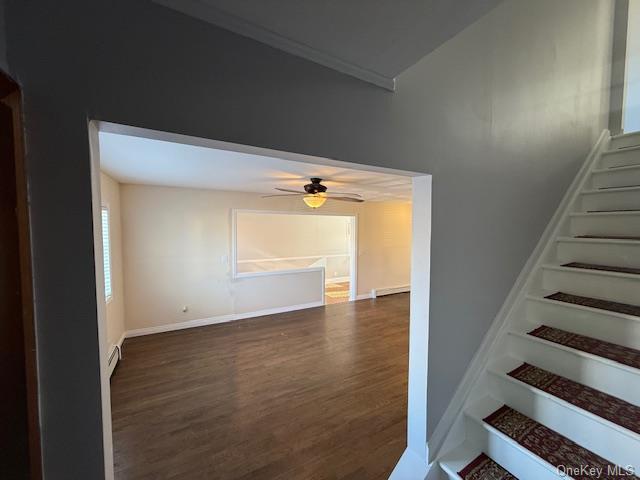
344 193
291 191
283 195
346 199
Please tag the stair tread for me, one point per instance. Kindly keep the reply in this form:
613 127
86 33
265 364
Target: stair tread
608 213
625 166
611 351
609 237
617 307
484 467
603 268
617 187
552 447
614 211
599 403
608 169
621 149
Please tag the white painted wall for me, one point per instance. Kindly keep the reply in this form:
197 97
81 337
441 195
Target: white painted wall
110 192
177 246
632 71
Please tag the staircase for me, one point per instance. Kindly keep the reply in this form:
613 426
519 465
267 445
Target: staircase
559 392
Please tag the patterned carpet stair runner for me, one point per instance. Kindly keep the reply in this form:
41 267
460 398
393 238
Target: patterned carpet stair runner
596 303
602 268
484 468
556 449
617 353
599 403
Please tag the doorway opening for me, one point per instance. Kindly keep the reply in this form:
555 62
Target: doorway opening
176 250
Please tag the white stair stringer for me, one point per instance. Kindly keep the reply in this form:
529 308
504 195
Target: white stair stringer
598 227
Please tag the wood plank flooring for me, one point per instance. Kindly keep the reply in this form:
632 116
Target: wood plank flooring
314 394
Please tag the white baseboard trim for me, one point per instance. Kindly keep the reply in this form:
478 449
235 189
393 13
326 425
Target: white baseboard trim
379 292
412 467
121 340
218 319
364 296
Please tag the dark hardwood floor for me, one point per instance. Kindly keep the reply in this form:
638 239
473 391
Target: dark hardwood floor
313 394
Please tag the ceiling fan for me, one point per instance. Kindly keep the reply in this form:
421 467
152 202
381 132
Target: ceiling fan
315 194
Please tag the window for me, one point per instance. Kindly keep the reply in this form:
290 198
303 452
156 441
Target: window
106 254
276 242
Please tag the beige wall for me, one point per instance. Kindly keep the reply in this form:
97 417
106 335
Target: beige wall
110 192
263 235
177 246
384 247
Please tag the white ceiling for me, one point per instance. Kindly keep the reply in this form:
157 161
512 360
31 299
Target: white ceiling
137 160
374 40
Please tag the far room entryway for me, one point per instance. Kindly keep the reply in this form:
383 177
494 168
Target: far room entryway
251 302
273 243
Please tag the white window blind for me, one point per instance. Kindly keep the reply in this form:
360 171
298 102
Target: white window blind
106 253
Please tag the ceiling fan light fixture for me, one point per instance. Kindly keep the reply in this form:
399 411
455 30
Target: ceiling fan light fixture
315 200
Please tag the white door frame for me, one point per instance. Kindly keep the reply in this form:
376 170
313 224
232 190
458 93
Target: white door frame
414 460
353 259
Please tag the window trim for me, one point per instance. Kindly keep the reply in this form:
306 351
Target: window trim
106 253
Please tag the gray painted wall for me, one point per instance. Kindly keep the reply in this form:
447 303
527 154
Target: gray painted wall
4 66
618 65
502 116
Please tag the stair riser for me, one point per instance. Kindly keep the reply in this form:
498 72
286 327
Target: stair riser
592 434
586 284
507 453
603 225
625 141
607 200
620 158
614 329
613 254
615 381
617 178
